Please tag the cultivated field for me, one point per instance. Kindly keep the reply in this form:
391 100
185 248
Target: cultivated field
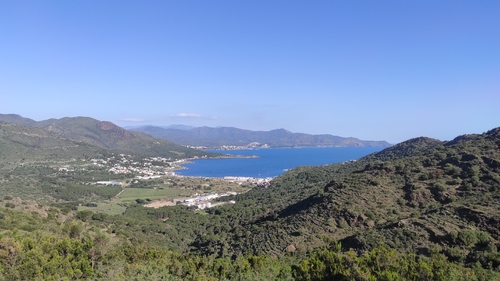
131 194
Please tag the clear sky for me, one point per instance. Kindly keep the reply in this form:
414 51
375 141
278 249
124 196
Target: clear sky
378 70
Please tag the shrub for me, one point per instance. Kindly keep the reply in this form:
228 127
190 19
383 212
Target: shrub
343 224
468 237
370 215
10 205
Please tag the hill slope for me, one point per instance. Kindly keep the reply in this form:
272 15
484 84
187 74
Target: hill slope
420 196
216 137
107 135
29 144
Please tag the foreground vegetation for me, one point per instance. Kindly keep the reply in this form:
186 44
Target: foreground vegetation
56 246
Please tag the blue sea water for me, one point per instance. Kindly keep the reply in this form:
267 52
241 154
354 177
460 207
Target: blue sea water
271 162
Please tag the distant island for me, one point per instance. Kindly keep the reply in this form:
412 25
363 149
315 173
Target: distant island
230 138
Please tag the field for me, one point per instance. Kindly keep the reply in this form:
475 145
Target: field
131 194
162 190
113 207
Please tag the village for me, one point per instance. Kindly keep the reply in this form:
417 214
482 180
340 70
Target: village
155 167
151 168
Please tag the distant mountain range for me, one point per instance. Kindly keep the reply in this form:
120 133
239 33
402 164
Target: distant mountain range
101 134
229 136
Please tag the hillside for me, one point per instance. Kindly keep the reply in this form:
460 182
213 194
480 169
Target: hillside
32 161
421 196
229 136
106 135
46 243
22 144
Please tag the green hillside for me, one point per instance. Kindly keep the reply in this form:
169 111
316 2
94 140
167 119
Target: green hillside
22 144
420 210
46 243
107 135
425 197
34 164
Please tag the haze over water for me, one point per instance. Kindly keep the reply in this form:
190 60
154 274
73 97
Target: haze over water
272 162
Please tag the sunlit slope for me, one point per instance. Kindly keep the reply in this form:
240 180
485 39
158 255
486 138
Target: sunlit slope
107 135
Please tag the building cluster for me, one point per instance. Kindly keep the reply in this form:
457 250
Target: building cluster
147 167
203 202
262 182
113 183
251 145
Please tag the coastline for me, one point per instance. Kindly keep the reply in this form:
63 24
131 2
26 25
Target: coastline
269 162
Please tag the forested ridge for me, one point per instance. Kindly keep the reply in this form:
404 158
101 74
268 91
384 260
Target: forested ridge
420 210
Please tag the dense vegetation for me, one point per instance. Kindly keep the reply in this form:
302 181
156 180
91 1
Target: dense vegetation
420 210
47 244
419 201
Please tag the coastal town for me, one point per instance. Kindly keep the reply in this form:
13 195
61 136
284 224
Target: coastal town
155 167
158 168
252 145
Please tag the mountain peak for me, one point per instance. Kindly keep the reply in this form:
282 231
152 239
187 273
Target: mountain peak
108 126
281 130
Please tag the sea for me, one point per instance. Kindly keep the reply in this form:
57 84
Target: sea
270 162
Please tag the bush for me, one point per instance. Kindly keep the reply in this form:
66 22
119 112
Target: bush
468 237
370 215
343 224
10 205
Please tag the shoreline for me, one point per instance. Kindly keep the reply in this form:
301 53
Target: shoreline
270 162
178 166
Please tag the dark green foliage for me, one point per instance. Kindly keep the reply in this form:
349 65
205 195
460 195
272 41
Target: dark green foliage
76 250
384 264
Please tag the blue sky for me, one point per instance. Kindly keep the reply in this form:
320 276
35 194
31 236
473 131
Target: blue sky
380 70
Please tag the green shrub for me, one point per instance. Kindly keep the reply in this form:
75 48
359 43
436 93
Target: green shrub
468 237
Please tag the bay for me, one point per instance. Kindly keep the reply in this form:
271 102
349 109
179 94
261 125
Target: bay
271 162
